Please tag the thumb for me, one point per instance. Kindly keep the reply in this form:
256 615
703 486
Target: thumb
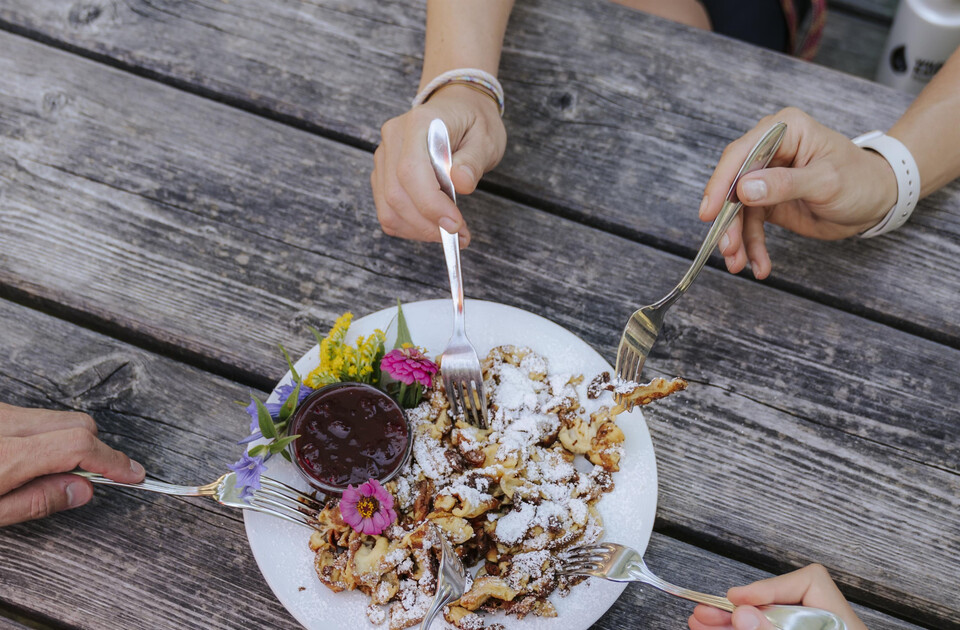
469 165
44 496
771 186
749 618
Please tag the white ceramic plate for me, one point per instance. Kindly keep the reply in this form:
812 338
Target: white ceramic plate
286 561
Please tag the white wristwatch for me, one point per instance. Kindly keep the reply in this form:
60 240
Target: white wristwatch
908 179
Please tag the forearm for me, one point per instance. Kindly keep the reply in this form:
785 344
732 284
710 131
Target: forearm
930 128
464 34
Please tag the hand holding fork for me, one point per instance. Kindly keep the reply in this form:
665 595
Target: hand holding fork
274 497
644 325
619 563
459 364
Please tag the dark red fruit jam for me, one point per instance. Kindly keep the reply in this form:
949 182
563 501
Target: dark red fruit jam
349 433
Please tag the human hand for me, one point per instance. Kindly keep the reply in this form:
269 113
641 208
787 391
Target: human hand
36 445
809 586
819 184
409 201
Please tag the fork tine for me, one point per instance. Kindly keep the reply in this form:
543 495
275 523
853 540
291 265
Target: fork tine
287 513
291 493
266 496
450 388
585 556
479 398
476 409
464 401
301 514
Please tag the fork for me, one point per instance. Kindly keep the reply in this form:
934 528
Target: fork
618 563
451 582
459 363
274 497
643 327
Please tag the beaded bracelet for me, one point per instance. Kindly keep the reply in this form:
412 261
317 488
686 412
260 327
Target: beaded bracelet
479 80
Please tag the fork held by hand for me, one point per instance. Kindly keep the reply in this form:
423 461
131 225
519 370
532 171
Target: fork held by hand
643 327
619 563
274 497
459 364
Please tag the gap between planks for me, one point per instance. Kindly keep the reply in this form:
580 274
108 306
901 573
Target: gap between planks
610 227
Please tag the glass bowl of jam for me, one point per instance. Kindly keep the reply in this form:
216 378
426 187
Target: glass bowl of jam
349 433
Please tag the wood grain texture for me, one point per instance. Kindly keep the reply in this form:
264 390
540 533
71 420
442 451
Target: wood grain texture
618 125
222 234
12 624
881 10
176 563
852 44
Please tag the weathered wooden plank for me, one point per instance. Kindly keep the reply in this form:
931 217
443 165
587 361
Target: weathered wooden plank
881 10
220 234
7 623
619 124
163 552
852 44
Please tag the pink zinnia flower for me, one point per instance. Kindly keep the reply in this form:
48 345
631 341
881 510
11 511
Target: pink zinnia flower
409 366
368 509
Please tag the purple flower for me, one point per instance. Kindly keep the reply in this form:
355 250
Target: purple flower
283 392
409 366
248 471
368 509
256 435
273 408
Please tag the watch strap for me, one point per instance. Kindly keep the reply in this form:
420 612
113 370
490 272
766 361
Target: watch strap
908 179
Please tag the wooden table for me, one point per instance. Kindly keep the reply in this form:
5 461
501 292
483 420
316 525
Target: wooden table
184 185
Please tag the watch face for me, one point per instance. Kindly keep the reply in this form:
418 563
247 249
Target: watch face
898 59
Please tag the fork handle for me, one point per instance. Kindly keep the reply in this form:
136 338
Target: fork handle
451 252
758 158
441 599
642 574
150 485
438 147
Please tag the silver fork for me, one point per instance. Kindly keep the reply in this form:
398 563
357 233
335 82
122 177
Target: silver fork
274 497
459 363
643 327
450 583
618 563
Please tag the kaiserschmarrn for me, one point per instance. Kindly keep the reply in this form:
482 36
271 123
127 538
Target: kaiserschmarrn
509 498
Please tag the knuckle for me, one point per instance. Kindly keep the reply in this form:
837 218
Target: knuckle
390 224
40 505
388 127
406 170
80 441
818 571
394 196
792 114
84 421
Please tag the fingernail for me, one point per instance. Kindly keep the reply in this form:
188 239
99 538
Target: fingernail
136 468
703 206
73 493
463 240
448 224
754 189
753 264
724 242
749 621
729 260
